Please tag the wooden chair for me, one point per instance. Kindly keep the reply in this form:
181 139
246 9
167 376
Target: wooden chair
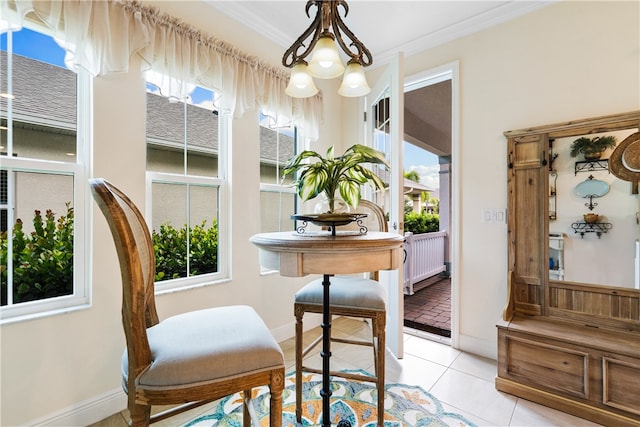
188 359
352 297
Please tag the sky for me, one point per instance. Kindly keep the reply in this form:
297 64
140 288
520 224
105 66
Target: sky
35 45
424 163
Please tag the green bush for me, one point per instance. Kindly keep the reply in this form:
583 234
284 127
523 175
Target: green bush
418 223
42 260
170 246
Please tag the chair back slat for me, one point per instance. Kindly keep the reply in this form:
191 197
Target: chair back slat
375 221
137 265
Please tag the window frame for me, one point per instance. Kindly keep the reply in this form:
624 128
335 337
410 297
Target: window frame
221 182
299 143
80 170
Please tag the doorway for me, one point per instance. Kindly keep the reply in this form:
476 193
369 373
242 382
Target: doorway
430 123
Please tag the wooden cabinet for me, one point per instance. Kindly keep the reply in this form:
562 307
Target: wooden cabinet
571 346
591 372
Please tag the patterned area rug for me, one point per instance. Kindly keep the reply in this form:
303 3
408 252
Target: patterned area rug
405 406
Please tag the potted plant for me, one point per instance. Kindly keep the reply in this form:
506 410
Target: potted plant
592 148
329 175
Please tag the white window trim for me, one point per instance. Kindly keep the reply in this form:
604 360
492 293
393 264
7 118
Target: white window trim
81 297
224 225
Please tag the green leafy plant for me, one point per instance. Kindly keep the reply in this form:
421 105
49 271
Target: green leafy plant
42 260
329 175
170 248
592 148
418 223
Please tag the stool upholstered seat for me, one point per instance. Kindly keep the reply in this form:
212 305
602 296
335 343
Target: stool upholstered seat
346 292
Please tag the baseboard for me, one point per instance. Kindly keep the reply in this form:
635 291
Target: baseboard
86 412
287 331
103 406
477 346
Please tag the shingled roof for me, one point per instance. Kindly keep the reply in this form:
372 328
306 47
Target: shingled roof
45 95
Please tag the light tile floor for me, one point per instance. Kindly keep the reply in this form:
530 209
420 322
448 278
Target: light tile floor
463 382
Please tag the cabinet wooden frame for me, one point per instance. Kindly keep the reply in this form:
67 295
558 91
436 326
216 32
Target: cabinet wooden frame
571 346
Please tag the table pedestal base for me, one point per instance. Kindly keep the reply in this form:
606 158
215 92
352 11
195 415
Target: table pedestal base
326 353
326 356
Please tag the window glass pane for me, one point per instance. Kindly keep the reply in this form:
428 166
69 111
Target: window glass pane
276 210
277 145
42 106
277 201
185 221
42 238
182 161
40 174
182 136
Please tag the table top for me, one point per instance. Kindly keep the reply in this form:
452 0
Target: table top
291 241
321 253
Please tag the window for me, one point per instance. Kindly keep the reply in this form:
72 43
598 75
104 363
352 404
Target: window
186 189
44 141
277 201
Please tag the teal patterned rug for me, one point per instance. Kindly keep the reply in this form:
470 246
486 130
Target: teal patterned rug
405 406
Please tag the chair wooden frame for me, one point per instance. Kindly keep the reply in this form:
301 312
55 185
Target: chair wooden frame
378 323
136 256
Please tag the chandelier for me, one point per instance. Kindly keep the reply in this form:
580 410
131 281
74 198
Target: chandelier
325 60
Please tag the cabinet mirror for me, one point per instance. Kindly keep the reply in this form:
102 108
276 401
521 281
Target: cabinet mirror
594 235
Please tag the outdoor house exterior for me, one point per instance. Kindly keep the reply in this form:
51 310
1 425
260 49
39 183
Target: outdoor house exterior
546 66
47 124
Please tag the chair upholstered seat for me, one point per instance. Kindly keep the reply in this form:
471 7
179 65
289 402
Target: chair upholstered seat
346 292
202 346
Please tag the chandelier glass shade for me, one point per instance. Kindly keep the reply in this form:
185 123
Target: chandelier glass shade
325 34
300 82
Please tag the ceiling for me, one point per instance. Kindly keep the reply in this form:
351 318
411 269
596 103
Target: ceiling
384 27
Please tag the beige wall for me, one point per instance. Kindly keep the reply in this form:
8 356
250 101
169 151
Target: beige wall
542 68
546 67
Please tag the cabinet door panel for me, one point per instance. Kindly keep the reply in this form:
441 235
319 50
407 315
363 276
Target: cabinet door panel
528 204
549 365
620 384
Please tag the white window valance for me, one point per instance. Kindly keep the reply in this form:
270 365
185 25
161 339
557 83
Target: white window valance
102 36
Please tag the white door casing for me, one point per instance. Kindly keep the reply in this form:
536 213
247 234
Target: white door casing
384 130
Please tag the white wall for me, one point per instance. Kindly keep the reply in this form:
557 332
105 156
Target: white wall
542 68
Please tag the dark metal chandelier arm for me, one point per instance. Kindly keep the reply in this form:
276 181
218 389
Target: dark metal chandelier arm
327 17
363 56
291 56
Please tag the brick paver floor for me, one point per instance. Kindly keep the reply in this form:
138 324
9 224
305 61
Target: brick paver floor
429 308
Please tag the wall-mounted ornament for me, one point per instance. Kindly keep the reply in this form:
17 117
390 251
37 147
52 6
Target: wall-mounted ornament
592 188
592 148
553 209
592 224
625 159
